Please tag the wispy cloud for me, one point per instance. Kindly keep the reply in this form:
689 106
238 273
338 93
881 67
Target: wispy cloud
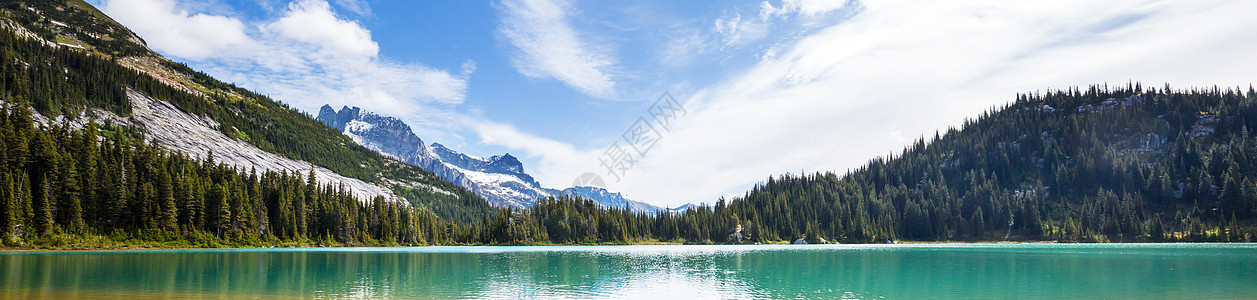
735 31
559 162
549 46
837 96
359 7
306 56
805 8
170 30
787 19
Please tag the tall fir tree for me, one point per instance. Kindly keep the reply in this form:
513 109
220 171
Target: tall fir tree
41 223
168 212
9 220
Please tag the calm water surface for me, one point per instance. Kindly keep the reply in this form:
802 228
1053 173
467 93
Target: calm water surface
1004 271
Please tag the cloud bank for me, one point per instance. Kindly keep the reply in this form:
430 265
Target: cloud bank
307 56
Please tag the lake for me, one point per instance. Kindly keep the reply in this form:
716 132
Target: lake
1024 271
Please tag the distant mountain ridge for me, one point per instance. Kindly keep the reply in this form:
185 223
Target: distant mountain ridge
502 164
500 179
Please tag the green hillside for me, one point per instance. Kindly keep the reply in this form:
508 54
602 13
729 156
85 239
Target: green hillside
106 59
1102 164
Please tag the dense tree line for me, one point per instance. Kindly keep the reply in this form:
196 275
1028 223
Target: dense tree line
1123 164
59 184
1101 165
58 181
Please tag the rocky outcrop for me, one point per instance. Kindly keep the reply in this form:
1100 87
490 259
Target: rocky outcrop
196 136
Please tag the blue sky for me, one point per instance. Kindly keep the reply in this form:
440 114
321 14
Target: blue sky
770 87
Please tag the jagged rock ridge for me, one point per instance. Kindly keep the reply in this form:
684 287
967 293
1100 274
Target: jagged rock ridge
500 179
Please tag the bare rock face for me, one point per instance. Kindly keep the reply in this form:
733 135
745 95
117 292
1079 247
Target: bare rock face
198 137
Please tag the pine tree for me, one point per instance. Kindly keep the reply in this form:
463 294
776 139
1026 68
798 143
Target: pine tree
1156 230
42 171
242 208
196 205
16 141
71 211
1232 197
168 215
42 221
8 208
978 223
1034 222
221 209
311 197
116 196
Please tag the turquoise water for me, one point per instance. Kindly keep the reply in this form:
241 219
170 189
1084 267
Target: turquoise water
983 271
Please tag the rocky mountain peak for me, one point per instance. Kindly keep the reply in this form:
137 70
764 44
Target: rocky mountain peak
387 135
500 178
506 164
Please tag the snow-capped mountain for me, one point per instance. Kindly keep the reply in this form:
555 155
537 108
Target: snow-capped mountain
388 136
499 179
501 164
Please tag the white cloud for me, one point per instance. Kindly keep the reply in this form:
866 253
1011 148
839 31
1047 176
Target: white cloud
170 30
550 47
737 31
682 47
734 31
805 8
560 162
307 56
313 22
841 95
359 7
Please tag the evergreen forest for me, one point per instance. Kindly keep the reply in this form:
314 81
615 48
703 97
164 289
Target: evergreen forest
1097 164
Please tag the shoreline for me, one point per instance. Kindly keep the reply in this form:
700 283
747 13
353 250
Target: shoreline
142 249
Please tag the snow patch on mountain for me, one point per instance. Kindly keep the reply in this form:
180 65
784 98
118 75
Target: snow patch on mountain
506 187
500 179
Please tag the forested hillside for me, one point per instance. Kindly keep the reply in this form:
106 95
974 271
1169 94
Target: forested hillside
105 188
1124 164
87 62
